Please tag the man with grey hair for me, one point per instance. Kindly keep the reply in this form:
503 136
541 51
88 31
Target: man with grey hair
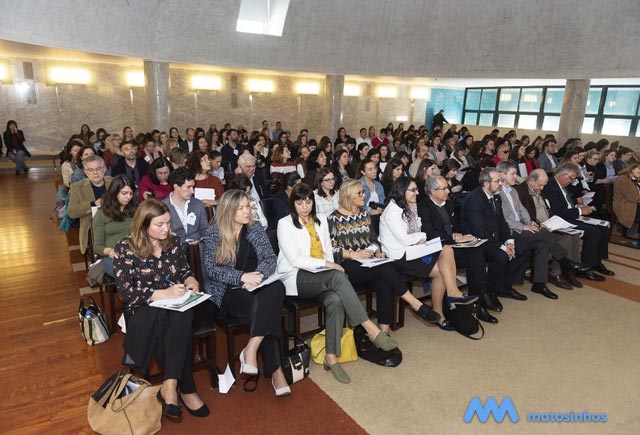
247 166
595 246
539 239
86 194
482 216
438 218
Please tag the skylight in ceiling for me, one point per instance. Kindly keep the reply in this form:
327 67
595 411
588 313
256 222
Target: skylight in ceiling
263 17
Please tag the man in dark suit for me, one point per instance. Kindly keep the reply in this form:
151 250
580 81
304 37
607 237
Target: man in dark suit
530 194
482 217
247 166
595 240
130 164
188 143
439 220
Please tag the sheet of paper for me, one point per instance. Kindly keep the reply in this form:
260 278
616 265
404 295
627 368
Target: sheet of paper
318 269
556 223
203 193
420 250
471 244
373 262
273 278
587 198
225 381
522 168
593 221
94 210
122 324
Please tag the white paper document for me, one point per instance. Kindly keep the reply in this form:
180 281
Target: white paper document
587 198
273 278
373 262
556 223
94 210
522 169
317 269
420 250
203 193
225 381
593 221
471 244
189 300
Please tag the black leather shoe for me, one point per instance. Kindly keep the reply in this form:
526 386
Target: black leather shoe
559 281
544 291
576 267
486 303
601 268
203 411
591 275
513 294
571 279
171 411
484 315
496 301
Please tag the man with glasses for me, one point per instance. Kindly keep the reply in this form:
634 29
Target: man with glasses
439 220
482 216
595 240
87 193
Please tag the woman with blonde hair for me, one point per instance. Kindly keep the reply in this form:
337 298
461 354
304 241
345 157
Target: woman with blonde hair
238 257
150 265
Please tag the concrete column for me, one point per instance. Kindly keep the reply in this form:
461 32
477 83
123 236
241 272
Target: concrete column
157 86
574 104
334 89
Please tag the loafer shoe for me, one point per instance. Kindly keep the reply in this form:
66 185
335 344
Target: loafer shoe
601 268
445 325
484 315
464 300
544 291
428 314
591 276
338 372
571 279
203 411
384 342
513 294
560 282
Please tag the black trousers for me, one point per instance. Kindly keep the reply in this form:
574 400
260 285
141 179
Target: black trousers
167 335
473 259
262 311
385 281
595 243
503 272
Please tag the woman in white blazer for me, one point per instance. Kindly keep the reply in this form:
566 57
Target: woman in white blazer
305 246
400 228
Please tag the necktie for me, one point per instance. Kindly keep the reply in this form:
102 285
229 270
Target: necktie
568 198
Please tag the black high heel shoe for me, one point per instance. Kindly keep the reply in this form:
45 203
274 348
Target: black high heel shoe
171 411
203 411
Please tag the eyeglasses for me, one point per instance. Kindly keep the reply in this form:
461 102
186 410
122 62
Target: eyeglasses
94 169
414 190
499 181
442 188
570 177
328 180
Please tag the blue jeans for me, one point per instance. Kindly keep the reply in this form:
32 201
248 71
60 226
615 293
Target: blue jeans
18 158
107 262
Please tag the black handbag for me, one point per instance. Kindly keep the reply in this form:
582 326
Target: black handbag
296 361
464 319
369 351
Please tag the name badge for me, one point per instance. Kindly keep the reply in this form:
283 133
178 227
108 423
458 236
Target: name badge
191 218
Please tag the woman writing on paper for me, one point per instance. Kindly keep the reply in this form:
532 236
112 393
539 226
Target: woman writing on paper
305 245
400 228
238 257
353 239
150 265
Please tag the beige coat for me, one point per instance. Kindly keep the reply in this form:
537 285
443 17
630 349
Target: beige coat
80 198
626 198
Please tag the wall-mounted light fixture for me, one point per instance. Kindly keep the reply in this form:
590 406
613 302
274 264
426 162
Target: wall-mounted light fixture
308 88
5 72
420 93
260 85
134 79
351 90
69 75
402 118
205 82
386 92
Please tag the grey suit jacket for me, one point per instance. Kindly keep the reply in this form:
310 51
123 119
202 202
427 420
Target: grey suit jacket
194 231
545 163
514 224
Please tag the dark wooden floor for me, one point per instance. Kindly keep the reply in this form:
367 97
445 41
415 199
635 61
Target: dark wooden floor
47 371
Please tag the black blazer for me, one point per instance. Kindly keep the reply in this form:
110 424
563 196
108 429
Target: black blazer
120 169
557 201
183 144
480 219
432 222
260 185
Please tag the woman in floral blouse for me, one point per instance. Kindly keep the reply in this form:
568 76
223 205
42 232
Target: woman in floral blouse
150 265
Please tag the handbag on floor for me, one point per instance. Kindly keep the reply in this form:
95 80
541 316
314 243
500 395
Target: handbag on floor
296 361
93 323
347 345
464 319
372 353
125 404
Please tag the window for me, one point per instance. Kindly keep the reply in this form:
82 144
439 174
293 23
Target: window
509 100
616 126
530 100
553 100
471 118
506 120
473 99
593 101
621 101
530 122
486 119
551 123
488 101
588 124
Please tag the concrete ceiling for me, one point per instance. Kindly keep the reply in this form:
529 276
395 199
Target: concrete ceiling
428 41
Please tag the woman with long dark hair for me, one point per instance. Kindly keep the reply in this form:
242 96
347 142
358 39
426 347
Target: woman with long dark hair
112 220
16 151
341 168
305 245
393 171
238 257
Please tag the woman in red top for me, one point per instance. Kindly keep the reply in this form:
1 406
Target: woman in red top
198 161
155 184
531 158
